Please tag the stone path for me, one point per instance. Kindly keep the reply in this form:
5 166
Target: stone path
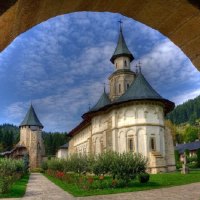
40 188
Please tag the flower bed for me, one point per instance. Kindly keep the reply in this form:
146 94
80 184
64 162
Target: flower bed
88 172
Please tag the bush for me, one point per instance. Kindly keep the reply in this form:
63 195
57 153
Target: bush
123 168
10 171
127 165
103 162
192 165
176 154
143 177
44 165
178 165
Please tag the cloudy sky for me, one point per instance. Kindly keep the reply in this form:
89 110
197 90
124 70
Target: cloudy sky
61 64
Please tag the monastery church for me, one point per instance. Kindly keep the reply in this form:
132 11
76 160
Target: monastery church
130 118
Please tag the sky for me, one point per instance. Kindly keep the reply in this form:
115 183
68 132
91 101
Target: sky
62 64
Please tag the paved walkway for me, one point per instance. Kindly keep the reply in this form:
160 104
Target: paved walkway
40 188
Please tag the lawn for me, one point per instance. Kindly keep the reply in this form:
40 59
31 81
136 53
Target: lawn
156 181
18 189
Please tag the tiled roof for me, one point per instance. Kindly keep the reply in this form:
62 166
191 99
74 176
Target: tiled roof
103 101
190 146
139 89
31 119
121 48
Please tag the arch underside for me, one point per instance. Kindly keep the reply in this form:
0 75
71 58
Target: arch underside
179 20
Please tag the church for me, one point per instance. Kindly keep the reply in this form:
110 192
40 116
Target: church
130 118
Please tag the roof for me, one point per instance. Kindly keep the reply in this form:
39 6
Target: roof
31 119
139 89
18 146
121 48
190 146
103 101
64 146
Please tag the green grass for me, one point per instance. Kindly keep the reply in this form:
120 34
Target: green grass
156 181
18 189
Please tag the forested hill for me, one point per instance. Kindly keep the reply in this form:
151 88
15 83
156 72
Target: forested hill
186 112
9 137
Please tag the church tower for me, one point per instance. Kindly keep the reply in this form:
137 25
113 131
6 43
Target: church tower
31 138
122 78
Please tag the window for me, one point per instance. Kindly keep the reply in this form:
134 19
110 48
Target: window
127 85
119 88
125 63
130 144
153 144
116 64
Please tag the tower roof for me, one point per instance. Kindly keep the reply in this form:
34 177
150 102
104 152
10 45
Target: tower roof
103 101
140 89
121 48
31 119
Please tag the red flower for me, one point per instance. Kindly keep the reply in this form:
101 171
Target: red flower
101 177
90 180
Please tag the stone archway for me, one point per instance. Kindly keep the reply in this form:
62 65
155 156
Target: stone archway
178 20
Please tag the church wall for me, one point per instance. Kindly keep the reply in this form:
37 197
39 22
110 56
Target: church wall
80 143
139 122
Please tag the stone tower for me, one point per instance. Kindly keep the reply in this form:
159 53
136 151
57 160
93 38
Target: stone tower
122 78
31 138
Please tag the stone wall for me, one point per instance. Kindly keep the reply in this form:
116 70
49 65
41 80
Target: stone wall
31 138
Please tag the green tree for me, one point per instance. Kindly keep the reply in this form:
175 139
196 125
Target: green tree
176 154
198 157
190 134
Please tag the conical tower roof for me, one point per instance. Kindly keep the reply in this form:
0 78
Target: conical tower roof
121 48
140 89
103 101
31 119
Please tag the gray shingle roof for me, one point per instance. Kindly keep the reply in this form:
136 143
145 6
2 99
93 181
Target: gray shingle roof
121 49
64 146
190 146
139 89
103 101
31 119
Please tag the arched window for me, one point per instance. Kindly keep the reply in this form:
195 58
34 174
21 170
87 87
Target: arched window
127 86
119 88
125 63
152 143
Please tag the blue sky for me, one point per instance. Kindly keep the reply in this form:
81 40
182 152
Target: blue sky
61 64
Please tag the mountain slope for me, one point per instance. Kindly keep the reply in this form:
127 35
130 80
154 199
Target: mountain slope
186 112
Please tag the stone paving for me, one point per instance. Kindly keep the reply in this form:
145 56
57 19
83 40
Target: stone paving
40 188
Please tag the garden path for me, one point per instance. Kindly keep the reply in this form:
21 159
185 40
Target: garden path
40 188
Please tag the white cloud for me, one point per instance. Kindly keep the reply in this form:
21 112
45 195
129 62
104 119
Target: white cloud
64 62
